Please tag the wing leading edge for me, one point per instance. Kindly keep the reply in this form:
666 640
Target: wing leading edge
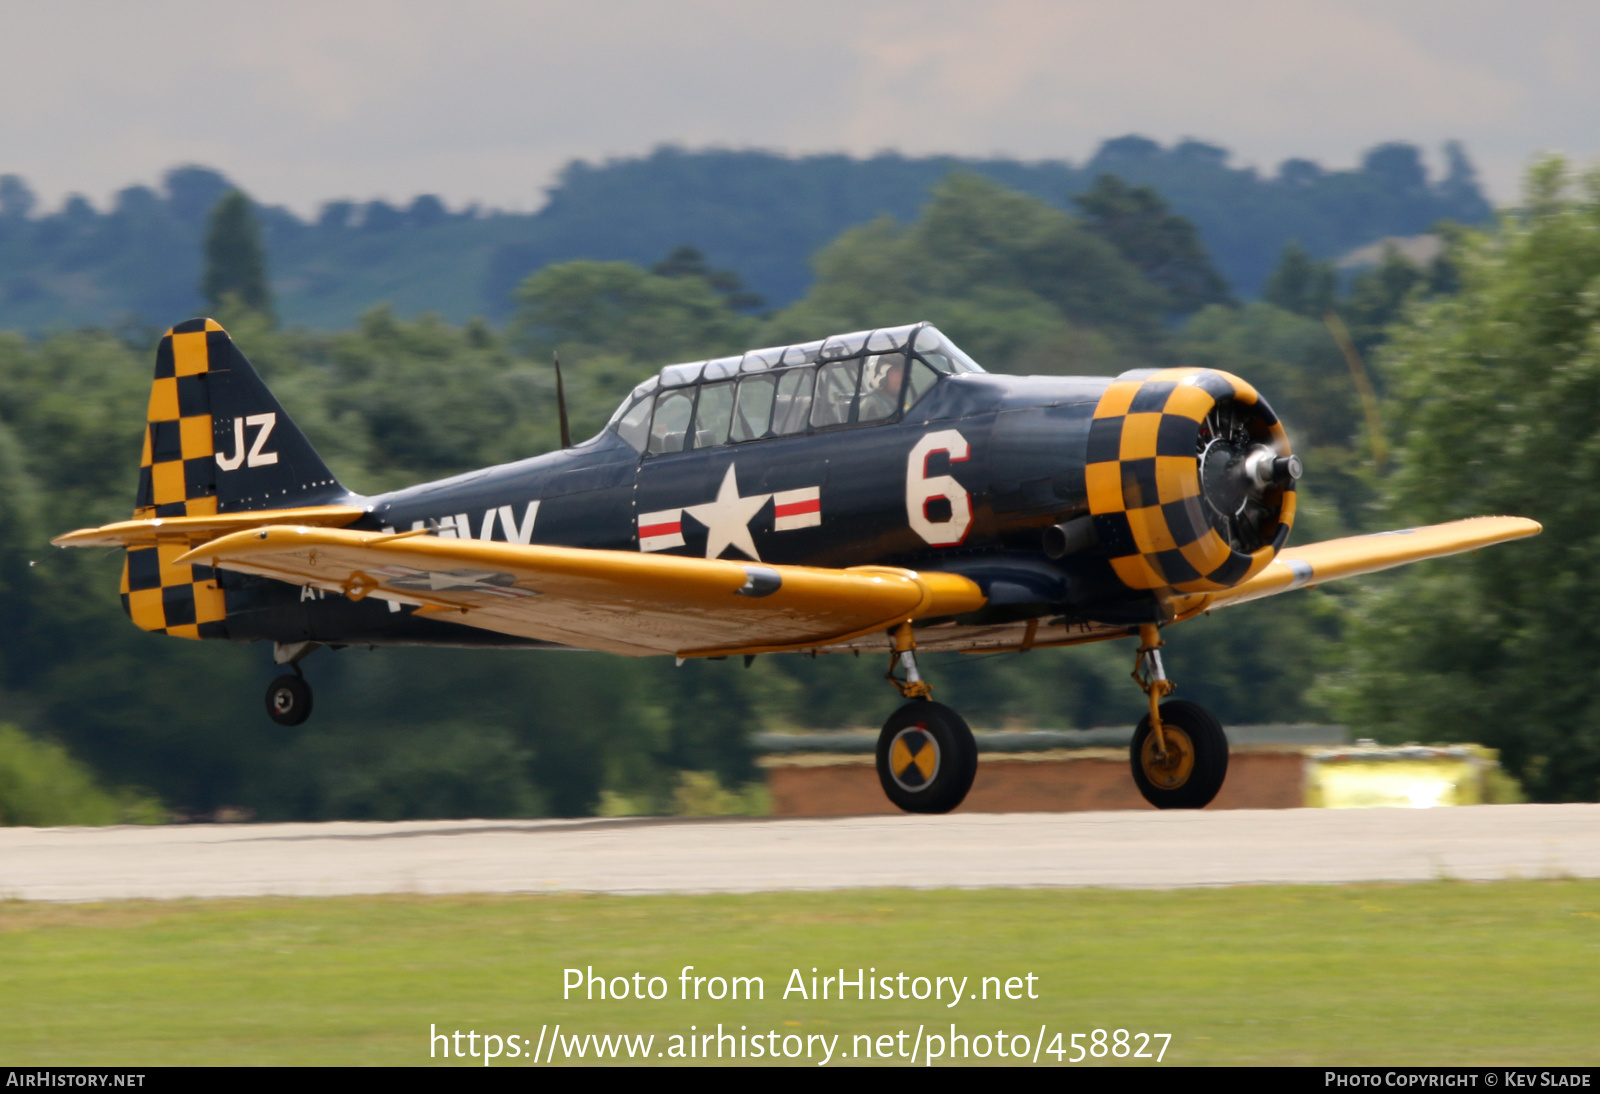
616 601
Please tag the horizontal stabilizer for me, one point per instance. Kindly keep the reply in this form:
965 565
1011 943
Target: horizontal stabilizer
197 530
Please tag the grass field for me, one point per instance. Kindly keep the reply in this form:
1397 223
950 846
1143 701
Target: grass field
1438 973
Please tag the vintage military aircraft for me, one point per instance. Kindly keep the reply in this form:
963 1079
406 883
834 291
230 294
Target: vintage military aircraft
870 492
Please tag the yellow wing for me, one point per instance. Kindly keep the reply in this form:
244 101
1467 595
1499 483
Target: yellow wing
641 604
1314 563
617 601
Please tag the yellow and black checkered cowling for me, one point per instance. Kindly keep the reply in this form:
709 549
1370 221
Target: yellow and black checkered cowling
177 477
1144 480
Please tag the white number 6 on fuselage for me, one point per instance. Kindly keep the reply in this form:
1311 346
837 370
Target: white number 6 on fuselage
922 488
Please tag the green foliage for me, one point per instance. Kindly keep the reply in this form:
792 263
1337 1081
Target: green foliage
41 785
439 770
18 515
1493 395
427 399
701 794
1378 296
236 263
614 324
1021 286
1163 246
615 307
687 261
1300 284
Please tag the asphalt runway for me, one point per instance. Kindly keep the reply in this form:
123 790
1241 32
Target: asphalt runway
1139 849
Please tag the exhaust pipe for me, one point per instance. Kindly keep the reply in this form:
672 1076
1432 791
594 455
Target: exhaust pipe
1069 537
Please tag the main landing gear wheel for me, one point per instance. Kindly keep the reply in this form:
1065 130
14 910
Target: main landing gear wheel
289 700
1188 773
1179 752
926 757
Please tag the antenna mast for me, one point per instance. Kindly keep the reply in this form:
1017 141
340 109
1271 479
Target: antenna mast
561 403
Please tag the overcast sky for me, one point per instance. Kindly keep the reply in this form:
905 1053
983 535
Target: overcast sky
484 100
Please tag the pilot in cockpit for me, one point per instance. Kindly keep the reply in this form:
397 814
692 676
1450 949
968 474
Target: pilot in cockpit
882 377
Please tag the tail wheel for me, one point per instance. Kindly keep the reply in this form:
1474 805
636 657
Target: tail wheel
1195 762
926 757
289 700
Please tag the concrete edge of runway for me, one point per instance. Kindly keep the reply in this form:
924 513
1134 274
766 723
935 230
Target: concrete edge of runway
653 855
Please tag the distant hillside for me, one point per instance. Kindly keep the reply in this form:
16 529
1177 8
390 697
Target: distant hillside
758 213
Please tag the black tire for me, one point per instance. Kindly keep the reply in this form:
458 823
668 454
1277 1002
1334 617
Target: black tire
932 768
289 700
1197 757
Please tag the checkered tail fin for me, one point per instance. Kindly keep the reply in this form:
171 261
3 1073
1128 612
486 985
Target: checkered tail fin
215 441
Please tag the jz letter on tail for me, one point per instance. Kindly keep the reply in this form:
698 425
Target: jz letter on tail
879 492
256 457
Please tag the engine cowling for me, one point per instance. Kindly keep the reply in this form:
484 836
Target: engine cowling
1190 479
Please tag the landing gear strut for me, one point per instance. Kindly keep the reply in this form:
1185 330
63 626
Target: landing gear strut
289 697
1179 753
926 755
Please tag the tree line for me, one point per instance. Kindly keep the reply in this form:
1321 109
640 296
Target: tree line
763 214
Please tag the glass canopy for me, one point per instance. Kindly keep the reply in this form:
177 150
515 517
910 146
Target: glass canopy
923 339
